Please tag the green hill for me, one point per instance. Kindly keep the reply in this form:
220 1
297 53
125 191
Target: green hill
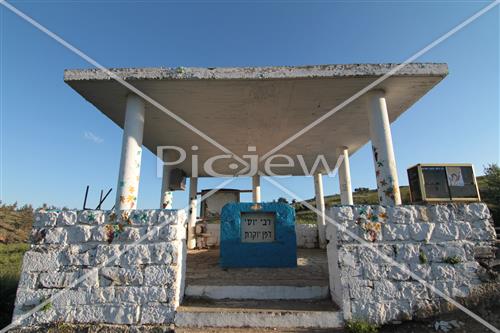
15 223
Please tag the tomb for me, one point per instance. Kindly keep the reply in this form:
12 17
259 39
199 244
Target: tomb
258 235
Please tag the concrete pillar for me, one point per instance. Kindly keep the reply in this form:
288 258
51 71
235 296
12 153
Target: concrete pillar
130 162
166 196
345 178
383 152
256 188
320 206
193 211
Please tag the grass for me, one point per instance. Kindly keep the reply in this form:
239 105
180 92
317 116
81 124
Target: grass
422 257
359 326
453 260
11 256
306 217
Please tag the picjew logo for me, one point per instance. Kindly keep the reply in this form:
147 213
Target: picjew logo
277 165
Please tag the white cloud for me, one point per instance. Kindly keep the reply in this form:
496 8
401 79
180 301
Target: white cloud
92 137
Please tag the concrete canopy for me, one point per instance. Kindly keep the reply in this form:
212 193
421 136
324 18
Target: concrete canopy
258 106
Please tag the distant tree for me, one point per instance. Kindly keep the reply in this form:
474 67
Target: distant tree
298 206
492 180
490 194
282 200
361 189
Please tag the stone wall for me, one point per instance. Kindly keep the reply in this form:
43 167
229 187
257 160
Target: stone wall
134 283
441 244
307 235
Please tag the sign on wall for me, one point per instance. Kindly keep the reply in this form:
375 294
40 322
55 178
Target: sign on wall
442 182
455 176
258 227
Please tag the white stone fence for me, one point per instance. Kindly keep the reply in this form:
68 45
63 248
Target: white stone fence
144 285
442 244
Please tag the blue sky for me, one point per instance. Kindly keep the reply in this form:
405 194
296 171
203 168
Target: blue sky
46 155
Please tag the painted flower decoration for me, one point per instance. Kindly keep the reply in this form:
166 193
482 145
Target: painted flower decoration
372 229
131 198
372 235
112 217
125 217
112 231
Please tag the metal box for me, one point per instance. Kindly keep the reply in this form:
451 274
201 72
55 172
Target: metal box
443 183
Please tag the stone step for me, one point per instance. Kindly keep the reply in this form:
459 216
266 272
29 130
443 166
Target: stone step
312 314
257 292
256 330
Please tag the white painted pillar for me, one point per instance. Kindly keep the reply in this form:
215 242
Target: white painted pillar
383 152
130 162
320 206
193 211
345 178
166 196
256 188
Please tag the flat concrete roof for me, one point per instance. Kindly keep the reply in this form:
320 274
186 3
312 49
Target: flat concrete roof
257 106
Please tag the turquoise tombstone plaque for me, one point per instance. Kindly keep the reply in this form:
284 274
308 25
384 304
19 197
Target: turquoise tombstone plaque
258 235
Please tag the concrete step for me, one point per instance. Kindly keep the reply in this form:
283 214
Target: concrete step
313 314
257 292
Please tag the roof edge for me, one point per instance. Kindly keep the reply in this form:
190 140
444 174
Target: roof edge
258 73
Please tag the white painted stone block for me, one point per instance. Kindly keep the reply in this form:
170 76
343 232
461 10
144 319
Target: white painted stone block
157 313
27 280
57 279
120 276
420 231
413 290
158 275
45 218
34 261
78 234
71 297
92 217
115 314
66 217
55 235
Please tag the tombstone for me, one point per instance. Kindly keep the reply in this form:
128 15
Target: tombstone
258 235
